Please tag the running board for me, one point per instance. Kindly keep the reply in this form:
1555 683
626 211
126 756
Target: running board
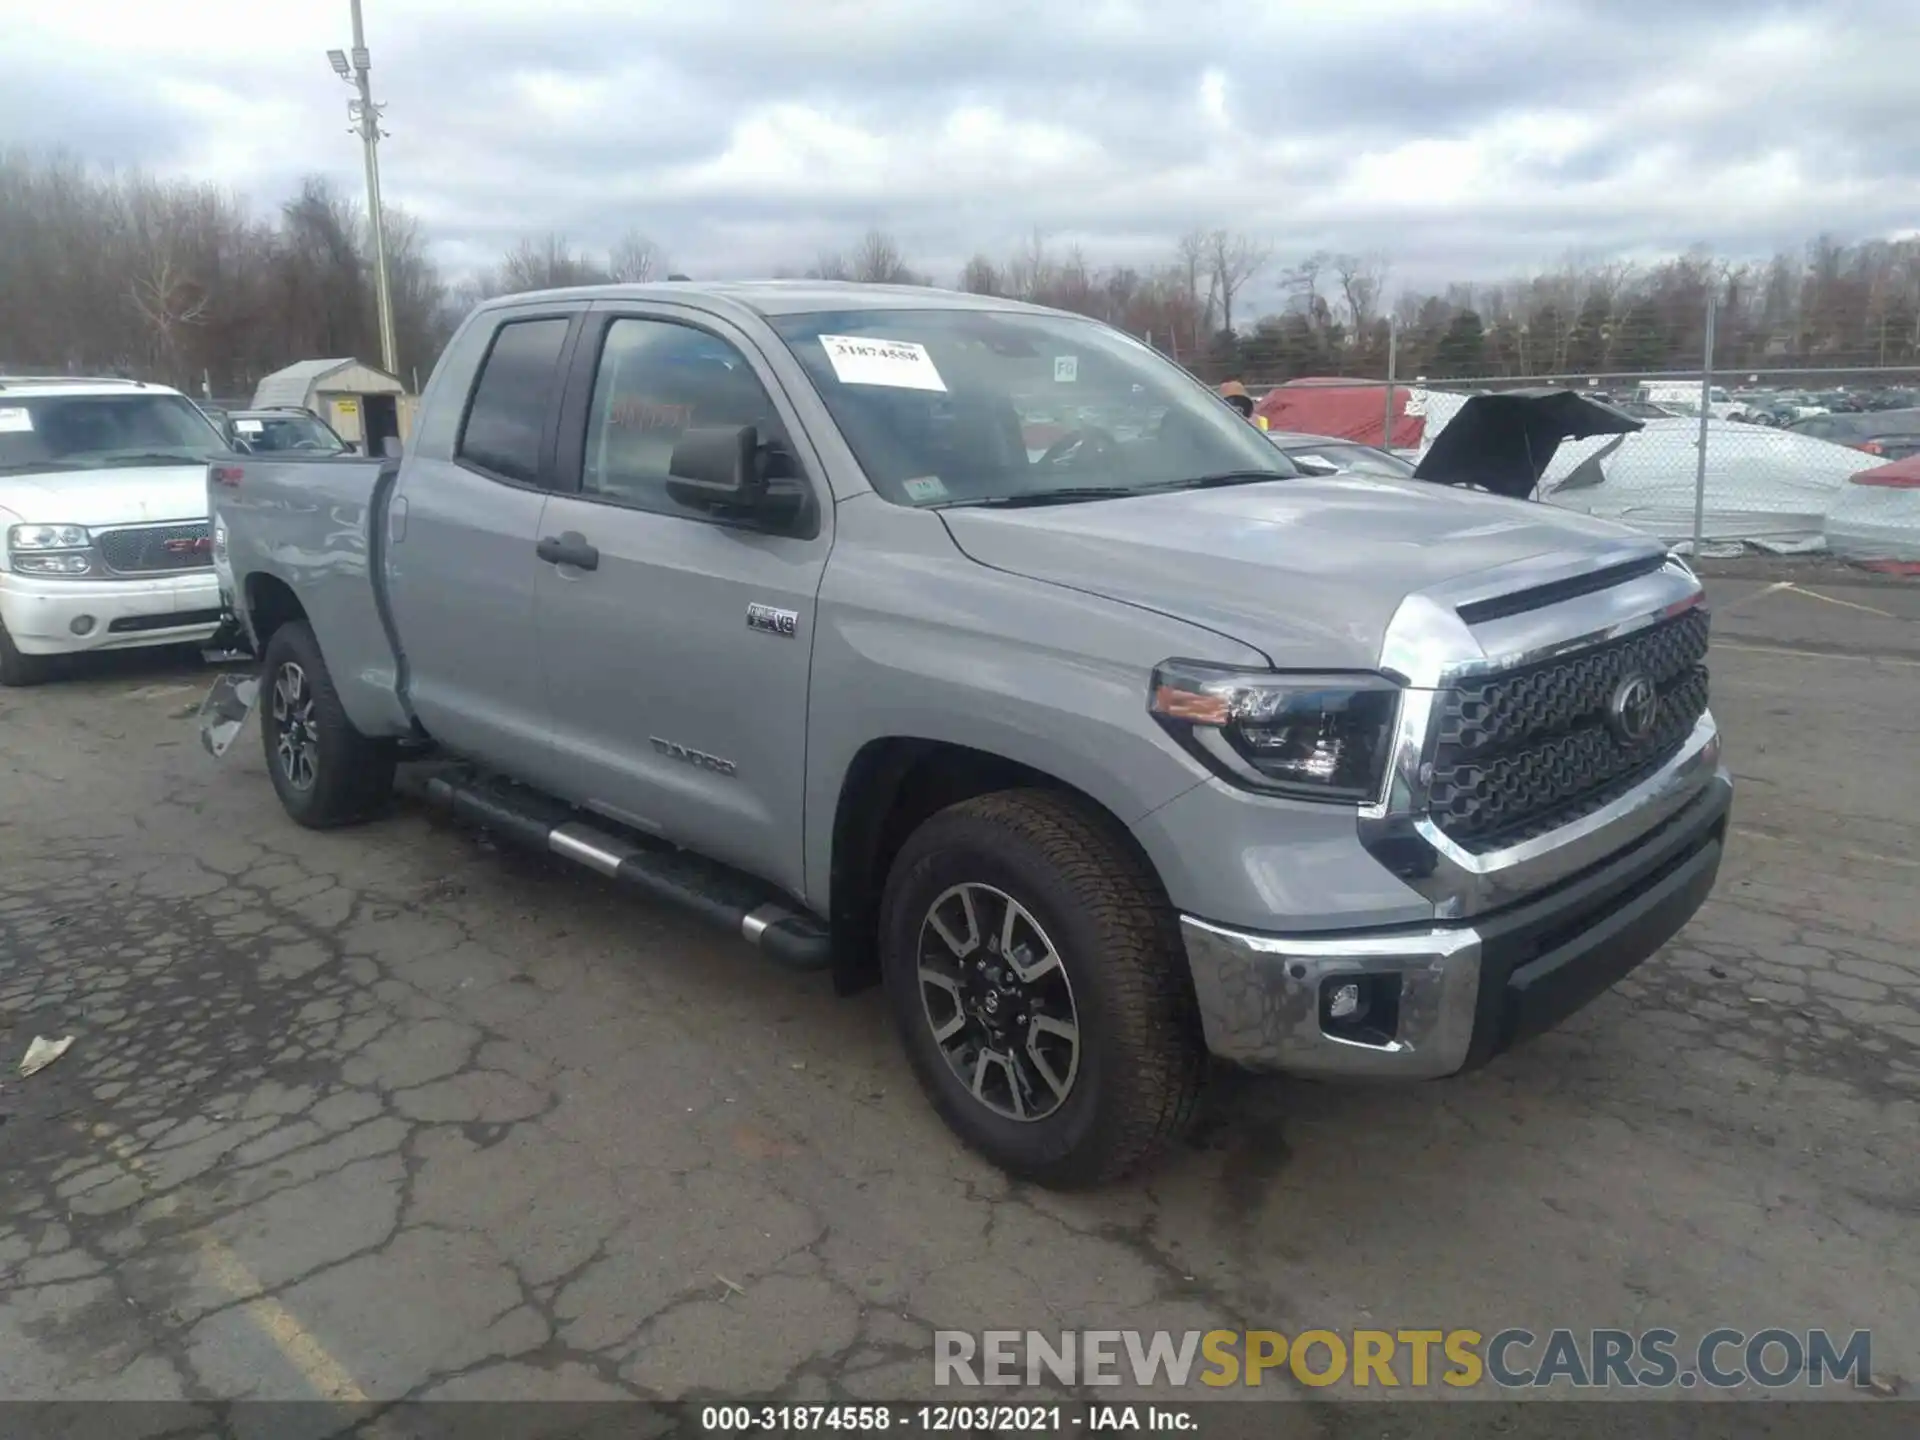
719 894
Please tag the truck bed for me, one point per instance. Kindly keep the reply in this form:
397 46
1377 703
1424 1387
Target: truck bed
315 529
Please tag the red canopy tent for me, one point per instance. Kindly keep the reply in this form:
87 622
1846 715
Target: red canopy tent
1347 409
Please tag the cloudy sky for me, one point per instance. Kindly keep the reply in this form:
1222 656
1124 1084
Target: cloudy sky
1464 138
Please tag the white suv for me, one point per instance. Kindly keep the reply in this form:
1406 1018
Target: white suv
103 505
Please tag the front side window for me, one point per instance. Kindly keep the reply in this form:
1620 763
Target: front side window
657 380
972 406
103 432
510 399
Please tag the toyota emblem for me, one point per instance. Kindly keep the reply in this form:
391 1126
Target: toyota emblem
1633 709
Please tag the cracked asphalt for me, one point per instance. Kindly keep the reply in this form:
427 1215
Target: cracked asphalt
389 1112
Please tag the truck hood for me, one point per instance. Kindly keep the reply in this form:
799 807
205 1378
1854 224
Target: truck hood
1308 571
123 495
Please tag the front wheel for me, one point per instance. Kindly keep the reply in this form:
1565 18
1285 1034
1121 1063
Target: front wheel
325 772
18 670
1034 969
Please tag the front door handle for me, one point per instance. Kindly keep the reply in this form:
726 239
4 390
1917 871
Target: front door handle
568 549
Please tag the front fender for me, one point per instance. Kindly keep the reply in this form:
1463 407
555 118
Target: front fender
913 640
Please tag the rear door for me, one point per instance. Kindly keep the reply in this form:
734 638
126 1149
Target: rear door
461 568
677 666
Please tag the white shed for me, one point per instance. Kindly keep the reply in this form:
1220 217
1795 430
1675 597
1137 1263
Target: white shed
364 403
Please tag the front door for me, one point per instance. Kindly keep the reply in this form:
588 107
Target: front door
677 664
461 568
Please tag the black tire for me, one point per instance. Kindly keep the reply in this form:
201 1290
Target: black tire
16 670
1139 1064
331 774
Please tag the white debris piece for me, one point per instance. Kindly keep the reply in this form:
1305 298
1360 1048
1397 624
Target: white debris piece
43 1052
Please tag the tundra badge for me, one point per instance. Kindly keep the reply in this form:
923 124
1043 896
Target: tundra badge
673 750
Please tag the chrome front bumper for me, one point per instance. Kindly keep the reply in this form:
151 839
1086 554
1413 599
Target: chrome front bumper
1466 991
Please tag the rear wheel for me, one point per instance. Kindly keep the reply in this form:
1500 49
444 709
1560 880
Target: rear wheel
325 772
1034 970
17 670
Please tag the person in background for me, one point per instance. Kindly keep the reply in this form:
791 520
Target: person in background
1235 394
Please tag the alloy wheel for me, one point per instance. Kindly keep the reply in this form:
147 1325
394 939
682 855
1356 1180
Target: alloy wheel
296 741
998 1001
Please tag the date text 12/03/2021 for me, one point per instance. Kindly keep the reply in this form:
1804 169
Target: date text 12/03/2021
946 1419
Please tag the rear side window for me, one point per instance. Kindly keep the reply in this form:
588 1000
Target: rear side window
510 399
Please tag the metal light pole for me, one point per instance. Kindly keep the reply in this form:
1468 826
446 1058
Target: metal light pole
366 122
1393 365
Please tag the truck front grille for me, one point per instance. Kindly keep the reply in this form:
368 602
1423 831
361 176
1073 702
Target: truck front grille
1526 751
157 549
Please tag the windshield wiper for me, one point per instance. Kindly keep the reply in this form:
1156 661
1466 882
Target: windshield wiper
1223 477
157 457
1061 495
38 467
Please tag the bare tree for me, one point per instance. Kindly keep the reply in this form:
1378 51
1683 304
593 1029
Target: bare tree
1362 279
877 260
635 259
1235 259
981 277
1031 269
546 263
1194 264
1301 283
830 265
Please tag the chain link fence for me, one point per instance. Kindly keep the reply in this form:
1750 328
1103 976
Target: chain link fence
1816 456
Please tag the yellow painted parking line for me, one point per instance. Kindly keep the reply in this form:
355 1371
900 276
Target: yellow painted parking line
329 1378
1835 600
293 1340
1866 856
1816 654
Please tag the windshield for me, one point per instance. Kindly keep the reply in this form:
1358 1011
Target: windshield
972 406
101 432
1333 457
288 432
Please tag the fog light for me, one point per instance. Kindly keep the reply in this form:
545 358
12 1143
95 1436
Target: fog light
82 624
1344 1002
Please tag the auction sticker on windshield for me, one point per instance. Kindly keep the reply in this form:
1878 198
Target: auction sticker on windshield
902 364
15 420
1066 369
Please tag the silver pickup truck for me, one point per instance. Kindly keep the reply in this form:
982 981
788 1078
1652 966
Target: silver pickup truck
978 649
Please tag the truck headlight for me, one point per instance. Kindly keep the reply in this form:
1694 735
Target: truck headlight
1311 737
64 550
48 537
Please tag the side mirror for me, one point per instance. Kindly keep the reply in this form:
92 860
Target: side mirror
717 466
730 469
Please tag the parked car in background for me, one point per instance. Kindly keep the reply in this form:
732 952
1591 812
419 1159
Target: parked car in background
1644 410
286 431
1889 434
104 507
1776 408
1100 758
1319 455
1683 397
